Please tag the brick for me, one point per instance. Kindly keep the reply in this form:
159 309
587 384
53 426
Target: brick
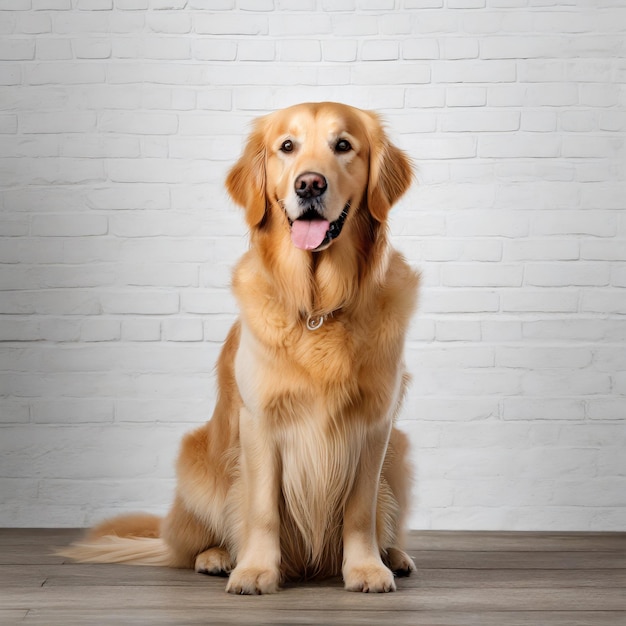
189 329
14 49
353 25
421 48
457 409
64 122
72 411
461 249
375 72
425 97
610 408
488 224
542 249
521 47
173 48
295 5
466 96
19 329
540 357
444 147
63 74
212 50
292 25
522 145
33 24
561 383
92 48
12 227
459 301
589 146
527 300
229 23
603 250
94 5
158 274
339 50
539 121
473 382
10 75
541 71
582 329
338 5
596 223
256 50
145 170
459 48
559 274
300 50
481 121
423 4
100 329
69 225
453 330
604 301
379 50
557 95
212 5
14 412
375 5
139 302
54 49
474 72
8 124
141 329
481 274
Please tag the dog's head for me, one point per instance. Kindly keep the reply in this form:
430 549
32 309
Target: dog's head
318 164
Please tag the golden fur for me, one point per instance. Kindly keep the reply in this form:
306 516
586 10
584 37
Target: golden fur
300 472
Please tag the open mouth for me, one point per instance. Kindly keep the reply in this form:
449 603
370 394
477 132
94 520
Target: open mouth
312 232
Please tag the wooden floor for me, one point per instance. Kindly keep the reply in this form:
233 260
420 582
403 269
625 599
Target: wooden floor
464 579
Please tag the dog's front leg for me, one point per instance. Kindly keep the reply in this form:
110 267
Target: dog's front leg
363 568
258 558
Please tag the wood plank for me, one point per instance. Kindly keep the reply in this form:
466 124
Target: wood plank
38 536
12 616
311 598
264 617
510 541
446 559
416 540
518 579
465 579
107 575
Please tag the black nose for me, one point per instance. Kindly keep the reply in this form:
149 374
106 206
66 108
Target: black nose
310 185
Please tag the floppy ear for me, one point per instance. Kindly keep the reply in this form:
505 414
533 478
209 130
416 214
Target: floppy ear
390 174
246 180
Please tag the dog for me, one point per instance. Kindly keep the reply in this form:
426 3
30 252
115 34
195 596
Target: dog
300 473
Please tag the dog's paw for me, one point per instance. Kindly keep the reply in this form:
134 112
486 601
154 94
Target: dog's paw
369 578
400 563
253 581
214 561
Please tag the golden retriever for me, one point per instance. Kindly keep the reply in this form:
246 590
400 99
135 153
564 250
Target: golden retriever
300 472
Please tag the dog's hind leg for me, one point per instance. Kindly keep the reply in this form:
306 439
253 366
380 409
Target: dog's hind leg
397 476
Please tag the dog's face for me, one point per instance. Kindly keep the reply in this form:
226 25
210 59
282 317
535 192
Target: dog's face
317 169
318 164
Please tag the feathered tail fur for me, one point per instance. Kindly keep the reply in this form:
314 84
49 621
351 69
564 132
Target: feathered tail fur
132 539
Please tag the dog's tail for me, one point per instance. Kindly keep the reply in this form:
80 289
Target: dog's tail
133 539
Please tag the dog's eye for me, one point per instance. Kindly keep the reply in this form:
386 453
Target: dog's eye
343 146
287 146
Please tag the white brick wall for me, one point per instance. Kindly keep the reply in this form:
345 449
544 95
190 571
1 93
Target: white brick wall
118 121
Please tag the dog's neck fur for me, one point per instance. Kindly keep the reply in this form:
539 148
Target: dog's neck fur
326 282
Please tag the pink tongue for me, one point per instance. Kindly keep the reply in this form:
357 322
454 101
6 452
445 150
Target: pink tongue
308 234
